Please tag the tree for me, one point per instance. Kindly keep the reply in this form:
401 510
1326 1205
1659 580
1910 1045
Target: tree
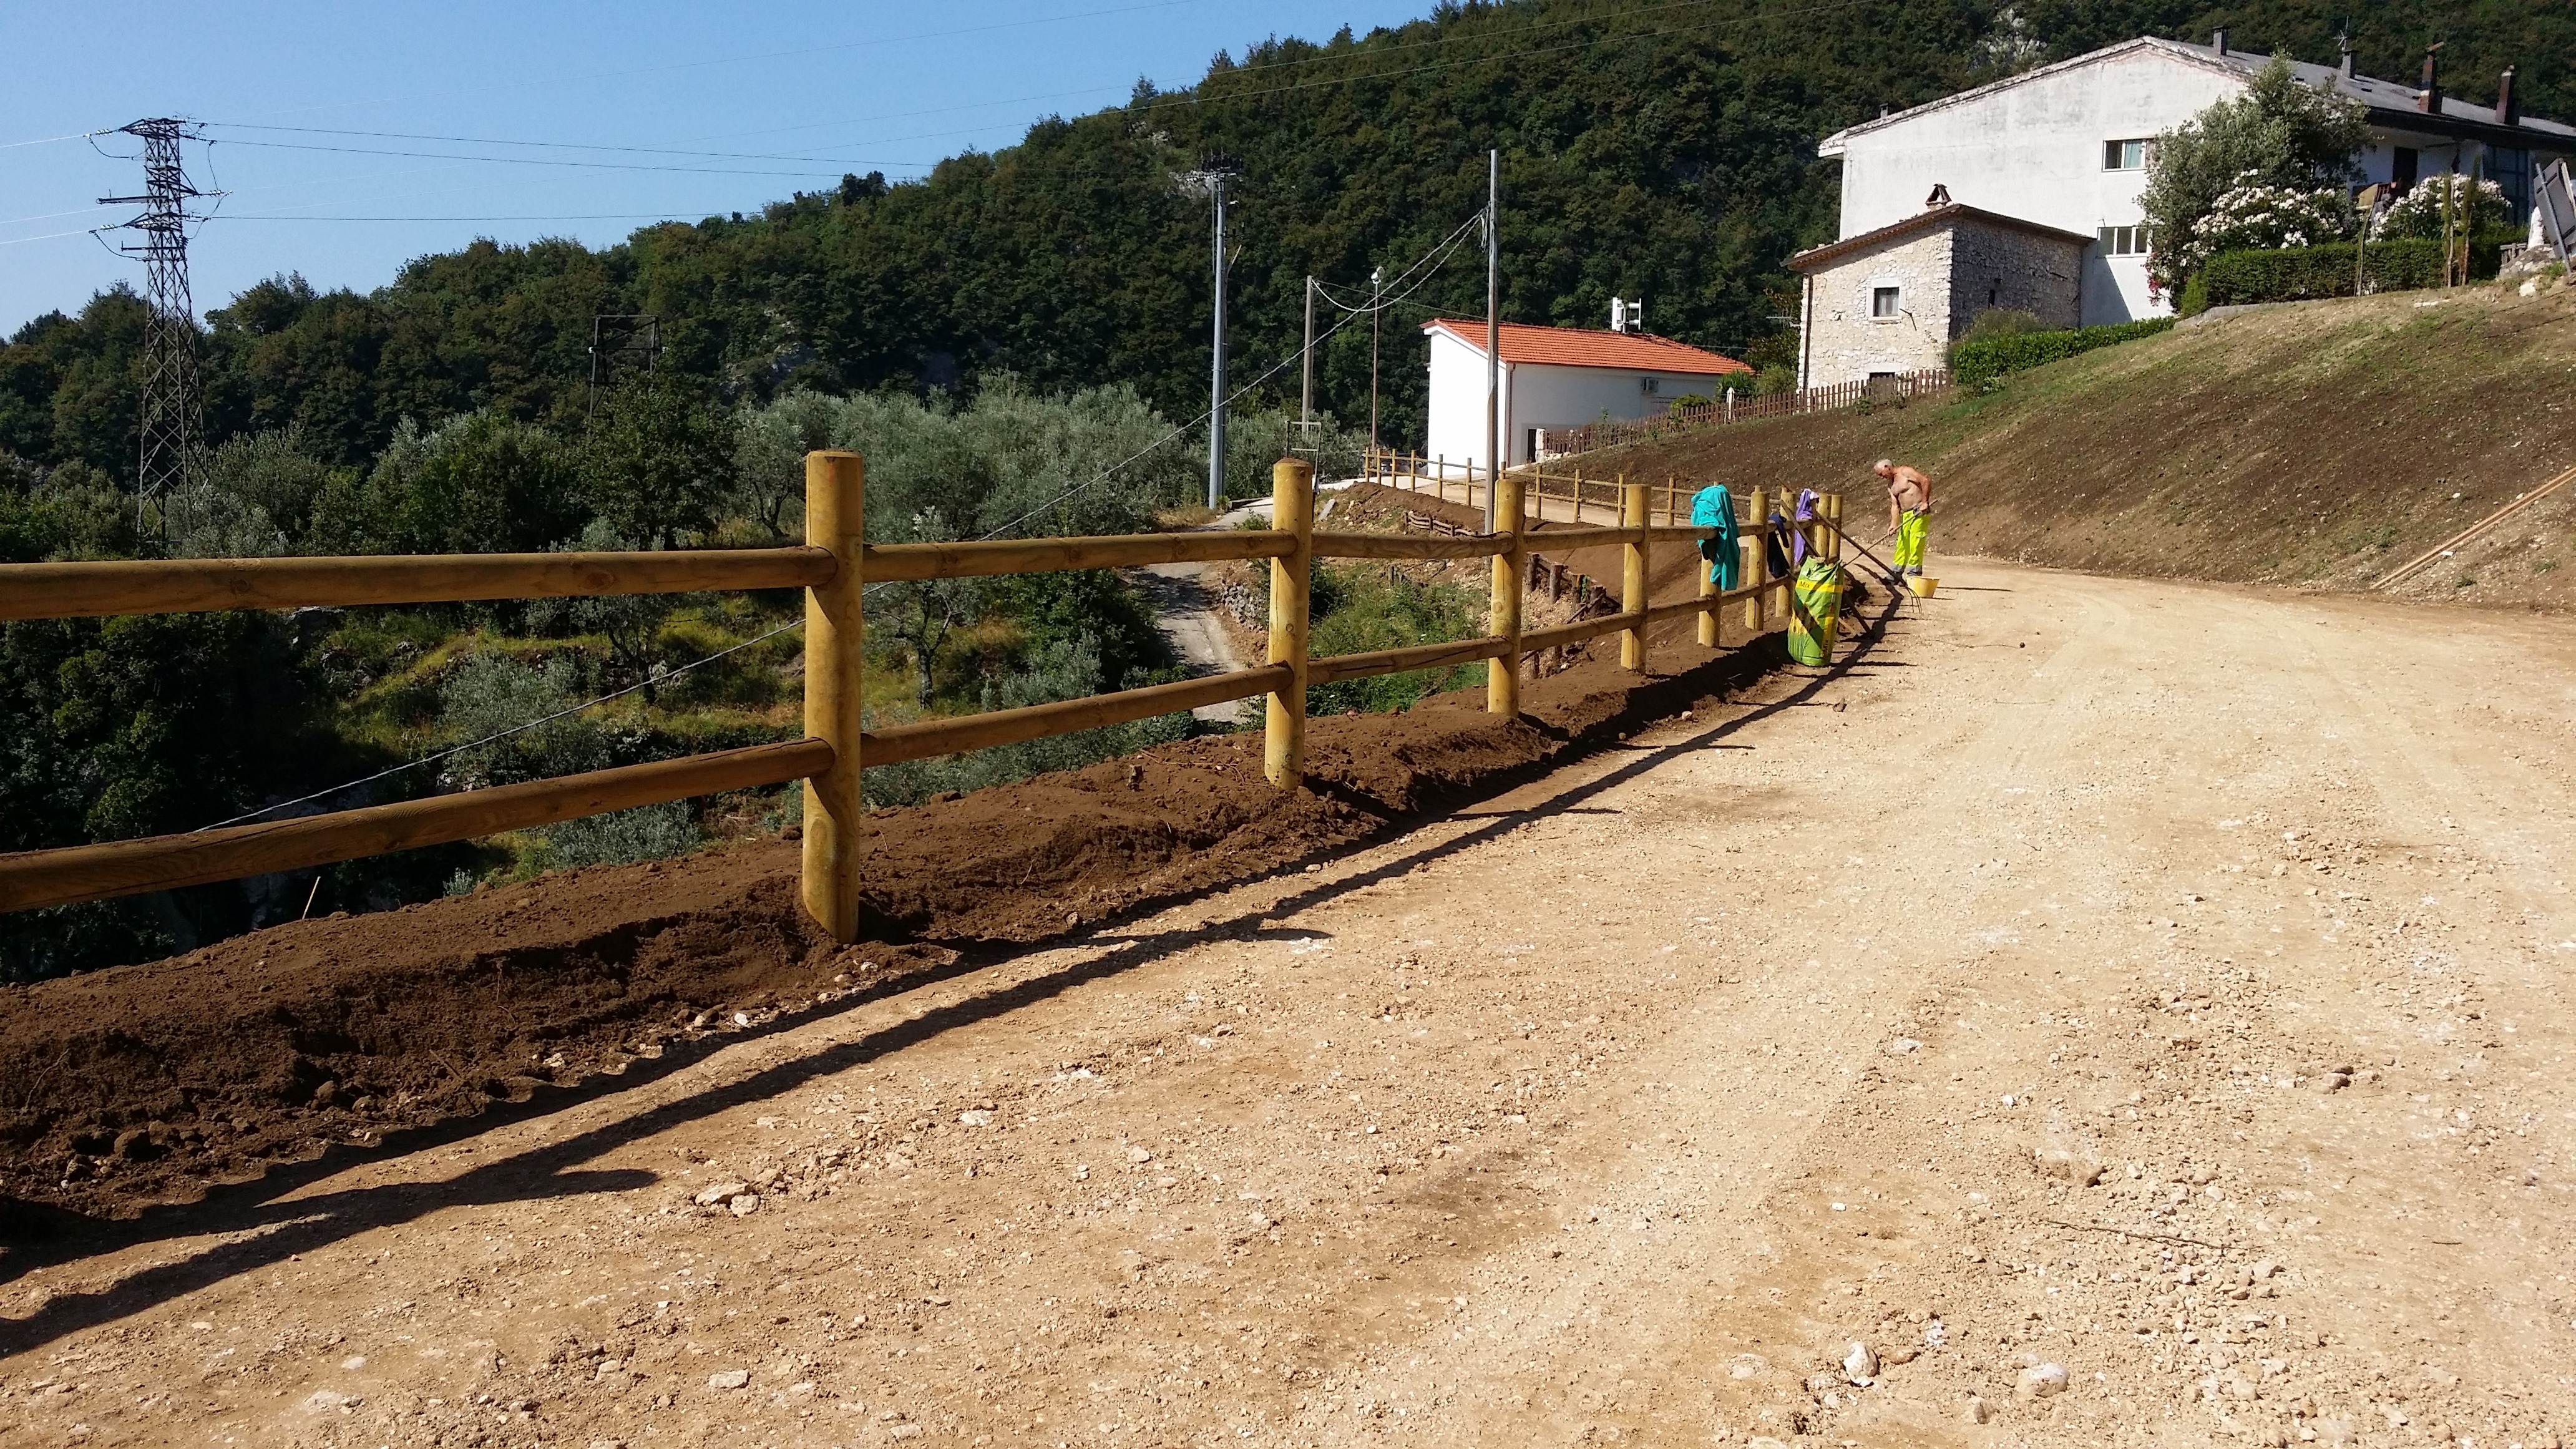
480 483
658 458
2279 134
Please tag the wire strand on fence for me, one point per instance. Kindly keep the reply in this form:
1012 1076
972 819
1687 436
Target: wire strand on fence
1438 253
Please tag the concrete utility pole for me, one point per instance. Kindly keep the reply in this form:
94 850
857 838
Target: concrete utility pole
1376 286
1306 407
1216 374
171 448
1493 337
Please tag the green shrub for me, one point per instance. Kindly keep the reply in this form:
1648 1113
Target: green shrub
2299 274
1978 365
1362 608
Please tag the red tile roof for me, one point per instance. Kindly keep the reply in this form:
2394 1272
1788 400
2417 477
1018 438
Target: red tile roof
1584 347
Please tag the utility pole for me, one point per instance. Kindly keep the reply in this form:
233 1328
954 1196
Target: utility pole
1376 286
1493 337
1306 408
1216 375
171 450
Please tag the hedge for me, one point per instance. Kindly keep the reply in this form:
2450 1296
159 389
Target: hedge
1979 366
2299 274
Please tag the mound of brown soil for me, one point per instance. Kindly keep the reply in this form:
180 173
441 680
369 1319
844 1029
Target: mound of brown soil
147 1083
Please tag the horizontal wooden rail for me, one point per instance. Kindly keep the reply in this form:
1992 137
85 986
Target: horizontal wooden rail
897 743
1412 656
187 586
36 878
1404 545
897 561
1578 631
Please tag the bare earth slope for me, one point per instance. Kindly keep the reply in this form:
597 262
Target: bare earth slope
2316 445
1613 1111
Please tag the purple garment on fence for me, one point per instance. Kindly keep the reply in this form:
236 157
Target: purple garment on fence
1798 538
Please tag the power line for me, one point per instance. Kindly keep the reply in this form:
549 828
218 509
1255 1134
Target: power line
548 161
760 56
1432 259
551 145
590 216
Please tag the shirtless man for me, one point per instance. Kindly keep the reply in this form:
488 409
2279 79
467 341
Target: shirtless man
1909 512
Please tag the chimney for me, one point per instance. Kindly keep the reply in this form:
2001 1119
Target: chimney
2507 113
2428 97
2218 40
2349 69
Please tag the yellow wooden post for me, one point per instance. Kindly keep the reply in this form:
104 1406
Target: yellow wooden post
1633 502
1503 674
1292 510
1707 634
1760 502
835 631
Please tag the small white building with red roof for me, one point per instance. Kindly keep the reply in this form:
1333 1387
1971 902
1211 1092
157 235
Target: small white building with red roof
1556 377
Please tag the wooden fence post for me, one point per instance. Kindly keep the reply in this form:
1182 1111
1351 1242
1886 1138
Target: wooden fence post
835 663
1760 503
1708 621
1292 510
1503 673
1633 502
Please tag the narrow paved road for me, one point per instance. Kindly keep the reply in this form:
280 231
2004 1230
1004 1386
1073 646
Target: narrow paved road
2145 992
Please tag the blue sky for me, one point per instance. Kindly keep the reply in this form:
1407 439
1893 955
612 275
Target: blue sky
792 93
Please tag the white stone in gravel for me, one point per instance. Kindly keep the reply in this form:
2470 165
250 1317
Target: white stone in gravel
322 1401
747 1204
1139 1156
1861 1364
2265 1267
729 1379
976 1118
1764 1442
1747 1366
1976 1412
725 1191
2040 1380
1904 1044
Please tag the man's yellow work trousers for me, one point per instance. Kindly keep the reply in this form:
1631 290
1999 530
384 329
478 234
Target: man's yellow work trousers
1909 540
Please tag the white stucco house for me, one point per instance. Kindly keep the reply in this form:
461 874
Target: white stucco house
1555 377
2064 148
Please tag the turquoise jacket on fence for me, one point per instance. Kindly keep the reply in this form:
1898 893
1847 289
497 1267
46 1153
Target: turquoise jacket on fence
1713 507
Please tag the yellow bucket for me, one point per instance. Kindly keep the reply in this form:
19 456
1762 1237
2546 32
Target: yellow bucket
1922 586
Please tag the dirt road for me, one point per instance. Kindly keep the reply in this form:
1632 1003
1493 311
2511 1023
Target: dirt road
1616 1111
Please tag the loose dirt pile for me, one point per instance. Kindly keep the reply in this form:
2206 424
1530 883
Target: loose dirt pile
1615 1108
145 1083
2316 445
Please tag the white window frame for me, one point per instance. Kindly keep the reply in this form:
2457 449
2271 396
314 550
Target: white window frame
2115 152
1896 311
2123 242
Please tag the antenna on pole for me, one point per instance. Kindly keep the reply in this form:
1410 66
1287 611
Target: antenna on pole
171 448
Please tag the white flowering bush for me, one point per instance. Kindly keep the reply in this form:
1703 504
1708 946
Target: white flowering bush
2254 217
2475 205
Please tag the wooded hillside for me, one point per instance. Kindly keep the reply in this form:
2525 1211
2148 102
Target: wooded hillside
1662 150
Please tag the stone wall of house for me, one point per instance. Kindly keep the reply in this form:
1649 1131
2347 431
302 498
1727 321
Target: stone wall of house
1846 344
2001 267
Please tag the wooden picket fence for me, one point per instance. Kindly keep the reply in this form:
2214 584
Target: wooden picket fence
832 566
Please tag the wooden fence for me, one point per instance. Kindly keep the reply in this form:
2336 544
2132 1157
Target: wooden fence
832 566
